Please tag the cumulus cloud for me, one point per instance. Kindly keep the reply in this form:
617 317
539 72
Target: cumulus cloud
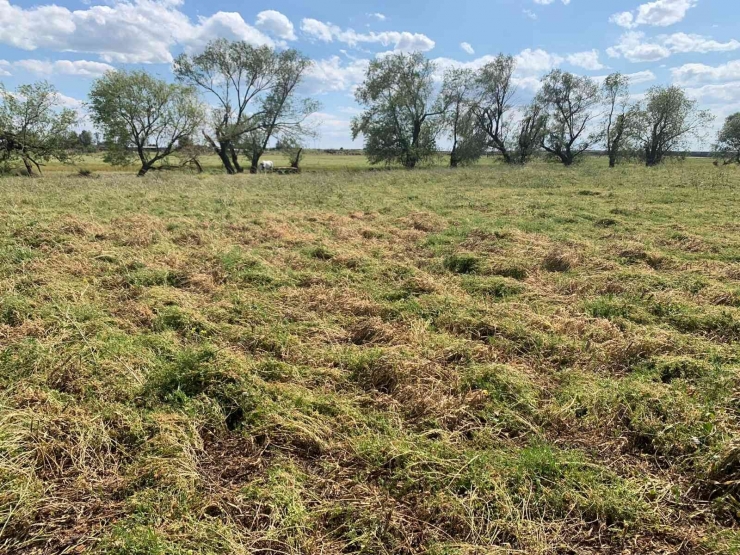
635 78
530 65
137 31
633 46
82 68
276 24
587 60
332 75
467 47
701 73
400 41
660 13
548 2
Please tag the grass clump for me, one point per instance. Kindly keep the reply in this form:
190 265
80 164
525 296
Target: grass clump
462 264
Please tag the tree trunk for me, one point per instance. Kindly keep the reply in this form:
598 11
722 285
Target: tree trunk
144 168
221 149
612 159
297 160
29 167
235 159
255 162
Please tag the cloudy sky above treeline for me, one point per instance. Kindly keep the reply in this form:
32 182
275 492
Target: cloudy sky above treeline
693 43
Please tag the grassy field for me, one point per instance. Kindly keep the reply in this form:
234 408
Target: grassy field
490 360
313 161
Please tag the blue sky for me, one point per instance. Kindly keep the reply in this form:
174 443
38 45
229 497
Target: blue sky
694 43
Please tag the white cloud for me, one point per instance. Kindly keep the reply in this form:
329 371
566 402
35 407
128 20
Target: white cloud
530 65
634 48
700 73
529 13
82 68
69 102
276 24
548 2
635 78
401 41
378 16
137 31
641 77
331 75
536 61
587 60
467 47
660 13
726 93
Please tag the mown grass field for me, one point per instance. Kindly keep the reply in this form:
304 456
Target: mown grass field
527 360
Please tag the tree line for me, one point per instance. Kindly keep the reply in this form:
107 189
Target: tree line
236 96
234 99
405 113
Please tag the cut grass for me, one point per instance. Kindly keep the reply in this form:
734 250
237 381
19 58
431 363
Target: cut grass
488 360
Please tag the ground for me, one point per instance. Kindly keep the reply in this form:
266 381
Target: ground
532 360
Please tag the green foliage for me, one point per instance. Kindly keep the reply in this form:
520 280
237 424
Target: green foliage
667 119
727 146
255 90
142 116
570 101
460 120
402 117
34 129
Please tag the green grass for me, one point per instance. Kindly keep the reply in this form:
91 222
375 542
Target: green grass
488 360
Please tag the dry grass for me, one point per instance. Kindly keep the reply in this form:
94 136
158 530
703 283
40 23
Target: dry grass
489 360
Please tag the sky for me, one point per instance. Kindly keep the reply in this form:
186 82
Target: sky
692 43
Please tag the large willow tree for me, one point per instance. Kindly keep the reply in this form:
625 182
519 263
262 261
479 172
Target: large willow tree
402 115
255 90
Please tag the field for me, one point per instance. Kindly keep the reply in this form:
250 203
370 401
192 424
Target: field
531 360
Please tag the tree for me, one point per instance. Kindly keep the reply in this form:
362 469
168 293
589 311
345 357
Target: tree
666 123
292 149
255 89
468 139
495 91
85 140
33 127
143 116
728 140
570 101
282 112
618 117
402 117
531 132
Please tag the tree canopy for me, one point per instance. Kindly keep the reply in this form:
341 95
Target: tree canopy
34 127
467 138
570 101
143 116
255 92
402 115
728 140
493 103
667 120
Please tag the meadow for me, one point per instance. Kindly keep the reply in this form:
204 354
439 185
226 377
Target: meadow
534 360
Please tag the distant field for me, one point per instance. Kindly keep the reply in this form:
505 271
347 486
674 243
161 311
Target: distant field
531 360
212 164
312 161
